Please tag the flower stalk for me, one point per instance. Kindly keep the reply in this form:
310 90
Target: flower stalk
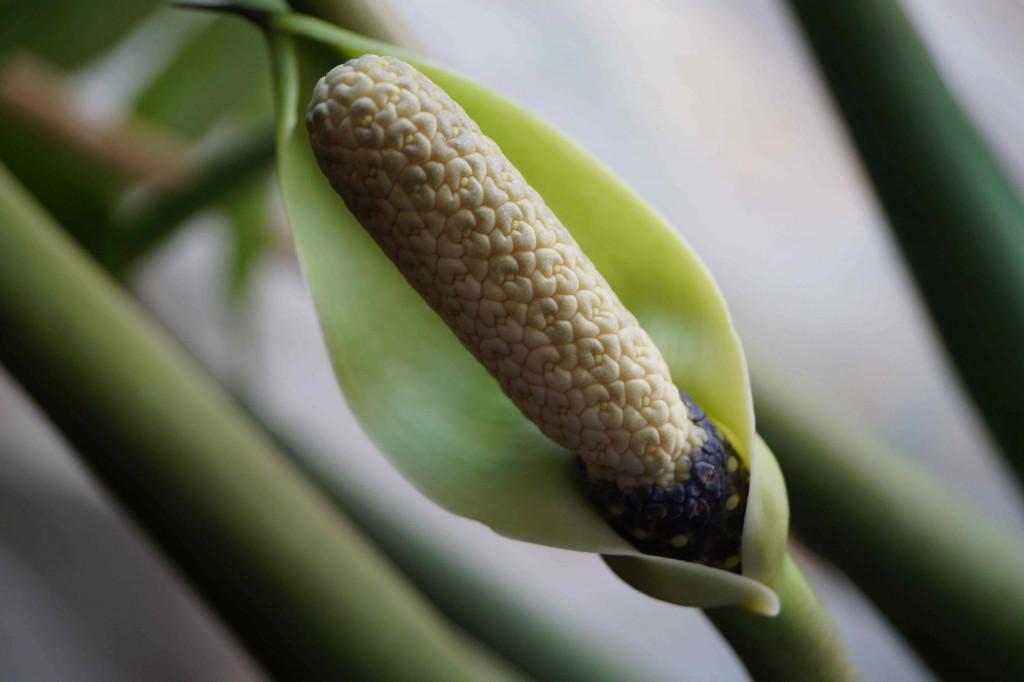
801 643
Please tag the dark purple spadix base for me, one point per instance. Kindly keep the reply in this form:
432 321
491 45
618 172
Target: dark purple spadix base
692 520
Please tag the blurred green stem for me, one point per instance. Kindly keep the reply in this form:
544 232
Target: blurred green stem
77 169
956 216
950 579
154 222
303 589
801 643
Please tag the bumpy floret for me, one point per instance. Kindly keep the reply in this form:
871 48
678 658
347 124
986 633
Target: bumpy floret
483 249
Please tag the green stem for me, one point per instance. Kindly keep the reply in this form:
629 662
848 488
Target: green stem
375 19
146 229
955 214
801 643
304 590
950 579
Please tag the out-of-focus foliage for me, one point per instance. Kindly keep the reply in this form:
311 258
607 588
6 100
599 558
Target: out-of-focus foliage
954 212
219 77
214 84
219 72
68 32
949 578
77 185
239 165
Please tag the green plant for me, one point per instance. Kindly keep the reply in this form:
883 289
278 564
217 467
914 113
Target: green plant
503 473
223 500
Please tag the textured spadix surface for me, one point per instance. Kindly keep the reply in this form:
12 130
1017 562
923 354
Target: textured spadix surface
486 252
438 415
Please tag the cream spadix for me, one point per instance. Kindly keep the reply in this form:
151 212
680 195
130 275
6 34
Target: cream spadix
483 249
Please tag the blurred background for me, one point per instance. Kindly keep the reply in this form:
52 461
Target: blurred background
712 111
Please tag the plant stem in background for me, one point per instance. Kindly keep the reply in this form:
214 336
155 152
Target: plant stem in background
949 579
955 214
138 233
302 588
801 643
77 168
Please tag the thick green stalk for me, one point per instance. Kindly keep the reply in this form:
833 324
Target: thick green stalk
303 589
801 643
951 580
953 211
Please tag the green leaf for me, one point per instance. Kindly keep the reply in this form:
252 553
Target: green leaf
438 416
218 73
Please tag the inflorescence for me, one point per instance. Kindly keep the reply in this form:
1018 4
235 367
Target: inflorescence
485 251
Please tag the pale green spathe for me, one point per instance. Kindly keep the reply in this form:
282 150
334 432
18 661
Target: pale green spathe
438 416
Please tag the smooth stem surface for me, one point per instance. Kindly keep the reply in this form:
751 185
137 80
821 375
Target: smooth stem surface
304 590
957 217
951 580
801 643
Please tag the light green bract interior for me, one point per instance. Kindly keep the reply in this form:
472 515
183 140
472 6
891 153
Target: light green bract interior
435 412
